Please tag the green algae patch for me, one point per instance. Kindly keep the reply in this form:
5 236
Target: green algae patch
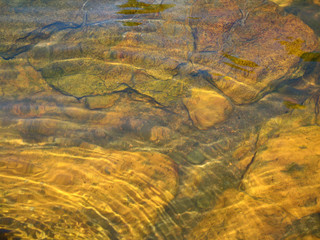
78 85
295 48
311 56
134 4
162 90
100 102
86 77
136 7
131 24
292 105
73 66
241 62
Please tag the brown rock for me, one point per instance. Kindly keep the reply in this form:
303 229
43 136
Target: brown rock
29 109
238 47
250 58
207 108
159 133
286 3
18 79
307 11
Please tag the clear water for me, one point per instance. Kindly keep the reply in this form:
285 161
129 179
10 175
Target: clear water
159 119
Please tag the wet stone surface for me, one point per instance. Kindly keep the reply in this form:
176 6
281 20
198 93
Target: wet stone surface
159 119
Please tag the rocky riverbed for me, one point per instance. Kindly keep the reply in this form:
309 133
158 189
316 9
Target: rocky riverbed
159 120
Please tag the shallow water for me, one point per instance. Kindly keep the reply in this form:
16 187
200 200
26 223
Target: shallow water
159 119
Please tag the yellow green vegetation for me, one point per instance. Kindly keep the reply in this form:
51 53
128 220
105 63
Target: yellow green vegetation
241 62
131 24
295 48
163 91
293 105
136 7
83 77
311 56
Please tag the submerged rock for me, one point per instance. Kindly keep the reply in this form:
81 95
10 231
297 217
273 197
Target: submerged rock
124 75
195 157
99 102
207 108
19 80
159 133
279 187
84 192
236 47
307 11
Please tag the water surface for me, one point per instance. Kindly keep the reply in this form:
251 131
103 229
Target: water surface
159 119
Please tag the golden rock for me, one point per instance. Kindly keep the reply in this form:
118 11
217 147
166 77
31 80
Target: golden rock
84 192
207 108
